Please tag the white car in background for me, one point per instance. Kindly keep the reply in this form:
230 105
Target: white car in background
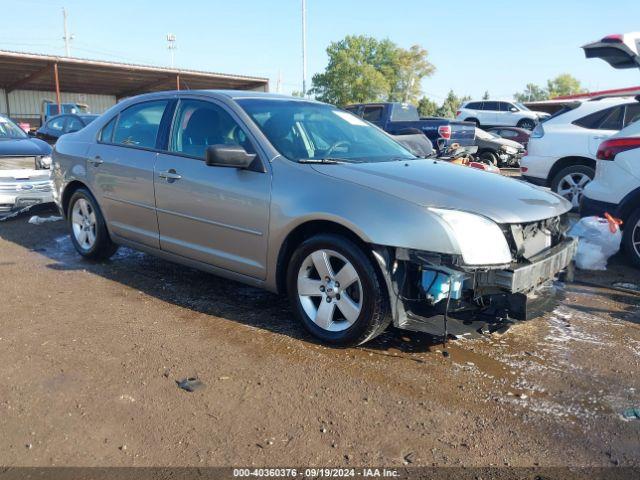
492 113
616 186
561 153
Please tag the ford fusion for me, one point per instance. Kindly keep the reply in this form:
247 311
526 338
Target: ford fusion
308 200
24 169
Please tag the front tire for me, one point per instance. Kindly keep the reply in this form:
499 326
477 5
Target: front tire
335 291
87 227
570 182
489 158
527 124
631 238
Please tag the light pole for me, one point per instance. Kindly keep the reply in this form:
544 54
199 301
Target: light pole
66 37
171 45
304 48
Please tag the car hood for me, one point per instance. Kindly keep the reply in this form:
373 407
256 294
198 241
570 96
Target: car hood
441 184
510 143
23 146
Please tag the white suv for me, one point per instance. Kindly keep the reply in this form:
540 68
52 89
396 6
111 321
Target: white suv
616 186
491 113
561 152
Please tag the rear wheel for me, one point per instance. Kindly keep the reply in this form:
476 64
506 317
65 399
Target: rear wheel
335 291
570 182
527 124
87 227
631 238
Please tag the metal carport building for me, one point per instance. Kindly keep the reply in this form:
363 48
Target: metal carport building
26 80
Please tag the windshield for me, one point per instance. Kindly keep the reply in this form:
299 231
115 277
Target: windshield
315 131
522 107
8 129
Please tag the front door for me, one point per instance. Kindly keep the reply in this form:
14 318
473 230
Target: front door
120 168
216 215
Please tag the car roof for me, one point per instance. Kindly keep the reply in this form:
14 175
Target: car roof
232 94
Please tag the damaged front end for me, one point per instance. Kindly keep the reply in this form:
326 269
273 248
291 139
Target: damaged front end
431 292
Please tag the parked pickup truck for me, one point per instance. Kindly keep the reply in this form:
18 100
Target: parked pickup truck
395 117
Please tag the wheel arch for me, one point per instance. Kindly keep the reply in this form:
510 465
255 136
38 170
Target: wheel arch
306 230
629 204
69 189
565 162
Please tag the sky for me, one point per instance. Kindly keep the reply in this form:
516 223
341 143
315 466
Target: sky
492 45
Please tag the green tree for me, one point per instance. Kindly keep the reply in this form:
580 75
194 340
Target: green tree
532 93
564 84
450 105
411 67
364 69
427 108
486 95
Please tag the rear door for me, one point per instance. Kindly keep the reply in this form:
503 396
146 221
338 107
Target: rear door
120 167
490 112
601 125
216 215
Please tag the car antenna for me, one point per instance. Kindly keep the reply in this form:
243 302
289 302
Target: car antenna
445 352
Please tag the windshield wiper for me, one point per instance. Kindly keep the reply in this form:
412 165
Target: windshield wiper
330 161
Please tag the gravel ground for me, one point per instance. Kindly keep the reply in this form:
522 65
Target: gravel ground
90 354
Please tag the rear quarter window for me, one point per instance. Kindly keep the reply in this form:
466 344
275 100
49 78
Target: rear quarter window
607 119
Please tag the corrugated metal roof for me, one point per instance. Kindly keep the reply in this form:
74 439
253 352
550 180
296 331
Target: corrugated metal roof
30 71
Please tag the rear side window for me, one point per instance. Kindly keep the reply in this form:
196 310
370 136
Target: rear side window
372 114
474 106
491 106
57 124
607 119
138 125
632 113
106 134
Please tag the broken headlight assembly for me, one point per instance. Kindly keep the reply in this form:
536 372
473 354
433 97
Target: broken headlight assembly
43 163
480 240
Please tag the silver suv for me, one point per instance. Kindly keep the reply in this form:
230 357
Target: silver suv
301 197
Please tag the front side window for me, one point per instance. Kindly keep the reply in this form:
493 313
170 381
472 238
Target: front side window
74 124
199 124
138 125
504 106
372 114
313 131
493 106
57 124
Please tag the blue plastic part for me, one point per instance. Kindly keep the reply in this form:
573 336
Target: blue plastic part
436 285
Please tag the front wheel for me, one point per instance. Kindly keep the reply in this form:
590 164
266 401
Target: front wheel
631 238
489 158
527 124
335 291
87 227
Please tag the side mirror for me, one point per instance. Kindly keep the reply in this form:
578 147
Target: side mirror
513 109
233 156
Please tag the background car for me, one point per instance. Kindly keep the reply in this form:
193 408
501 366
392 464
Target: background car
24 169
492 113
515 134
561 153
616 186
498 151
61 124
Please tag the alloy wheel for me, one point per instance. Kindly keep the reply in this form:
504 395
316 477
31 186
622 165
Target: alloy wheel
571 187
635 239
83 222
330 290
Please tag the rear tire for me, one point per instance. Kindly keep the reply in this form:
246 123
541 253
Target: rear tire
570 182
342 315
87 227
527 124
631 238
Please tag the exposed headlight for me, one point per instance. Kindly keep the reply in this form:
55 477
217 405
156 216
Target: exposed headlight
44 162
480 240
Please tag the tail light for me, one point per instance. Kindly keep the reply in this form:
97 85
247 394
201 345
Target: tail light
610 148
615 38
524 169
444 131
458 113
538 131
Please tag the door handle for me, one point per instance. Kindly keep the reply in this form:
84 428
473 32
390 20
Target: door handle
599 137
97 161
170 175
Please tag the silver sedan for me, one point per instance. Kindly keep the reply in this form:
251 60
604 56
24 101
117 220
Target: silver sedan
303 198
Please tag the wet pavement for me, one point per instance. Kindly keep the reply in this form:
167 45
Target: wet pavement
90 354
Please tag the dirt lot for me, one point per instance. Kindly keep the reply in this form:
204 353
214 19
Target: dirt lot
89 356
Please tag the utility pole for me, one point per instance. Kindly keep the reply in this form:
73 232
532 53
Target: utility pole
304 48
171 45
278 85
67 38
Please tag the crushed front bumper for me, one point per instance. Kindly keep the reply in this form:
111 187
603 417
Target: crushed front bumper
489 298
